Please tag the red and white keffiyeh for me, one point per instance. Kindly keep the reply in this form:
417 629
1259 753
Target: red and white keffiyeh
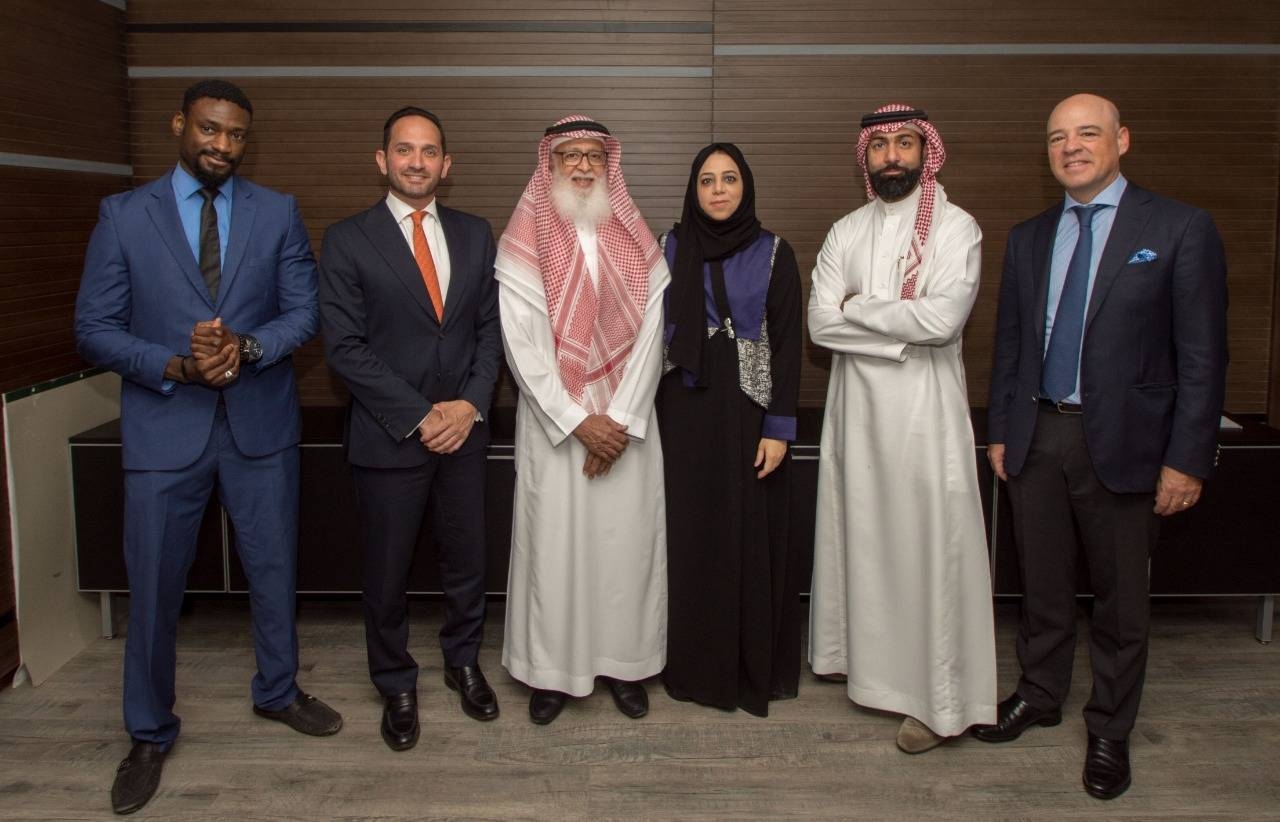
594 327
935 155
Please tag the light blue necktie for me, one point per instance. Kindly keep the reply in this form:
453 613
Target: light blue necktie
1062 360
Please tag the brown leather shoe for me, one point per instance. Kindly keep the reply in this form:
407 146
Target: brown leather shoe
306 715
137 777
1106 768
1013 716
478 699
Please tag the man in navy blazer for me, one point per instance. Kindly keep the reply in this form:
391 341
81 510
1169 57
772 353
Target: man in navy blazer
409 308
1107 388
197 288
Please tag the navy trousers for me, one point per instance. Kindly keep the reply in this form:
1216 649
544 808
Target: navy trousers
162 515
391 504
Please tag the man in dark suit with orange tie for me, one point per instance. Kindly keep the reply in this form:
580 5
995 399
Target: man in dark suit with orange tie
1107 387
409 310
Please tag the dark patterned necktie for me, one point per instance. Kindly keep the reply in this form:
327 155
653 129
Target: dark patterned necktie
210 242
1062 360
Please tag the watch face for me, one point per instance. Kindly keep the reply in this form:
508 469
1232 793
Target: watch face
250 349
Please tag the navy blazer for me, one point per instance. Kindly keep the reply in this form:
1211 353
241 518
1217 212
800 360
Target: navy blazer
142 294
1154 356
381 335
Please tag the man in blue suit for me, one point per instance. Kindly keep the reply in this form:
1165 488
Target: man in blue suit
197 288
410 312
1108 383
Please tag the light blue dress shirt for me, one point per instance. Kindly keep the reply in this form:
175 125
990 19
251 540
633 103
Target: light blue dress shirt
187 191
1064 245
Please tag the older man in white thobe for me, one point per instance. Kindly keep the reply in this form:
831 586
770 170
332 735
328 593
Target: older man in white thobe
901 599
580 283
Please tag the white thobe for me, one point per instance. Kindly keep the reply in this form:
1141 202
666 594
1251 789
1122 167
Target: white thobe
901 598
587 588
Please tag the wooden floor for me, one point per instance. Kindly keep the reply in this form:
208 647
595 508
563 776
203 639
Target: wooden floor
1206 745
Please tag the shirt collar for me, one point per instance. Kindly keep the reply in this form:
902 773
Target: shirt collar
400 210
185 185
1109 196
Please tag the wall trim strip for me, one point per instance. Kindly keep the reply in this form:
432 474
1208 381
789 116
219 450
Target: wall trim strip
154 72
65 164
992 49
423 27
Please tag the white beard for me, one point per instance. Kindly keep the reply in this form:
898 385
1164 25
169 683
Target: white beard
589 208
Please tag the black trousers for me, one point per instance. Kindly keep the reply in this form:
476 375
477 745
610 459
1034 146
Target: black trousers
1055 497
391 504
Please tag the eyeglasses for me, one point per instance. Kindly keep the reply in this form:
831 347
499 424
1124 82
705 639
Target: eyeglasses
572 158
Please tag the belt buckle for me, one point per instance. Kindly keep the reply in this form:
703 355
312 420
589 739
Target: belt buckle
1068 408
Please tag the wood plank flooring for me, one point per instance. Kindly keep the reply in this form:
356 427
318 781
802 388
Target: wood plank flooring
1205 746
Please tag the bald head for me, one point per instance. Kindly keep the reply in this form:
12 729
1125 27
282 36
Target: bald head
1086 142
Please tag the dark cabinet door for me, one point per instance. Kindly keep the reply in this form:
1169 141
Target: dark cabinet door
97 485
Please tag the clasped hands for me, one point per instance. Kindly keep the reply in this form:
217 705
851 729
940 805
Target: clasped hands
447 426
214 360
604 439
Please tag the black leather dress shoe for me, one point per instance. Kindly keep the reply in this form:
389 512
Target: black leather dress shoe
545 706
478 699
137 777
1106 767
630 697
306 715
1013 716
400 721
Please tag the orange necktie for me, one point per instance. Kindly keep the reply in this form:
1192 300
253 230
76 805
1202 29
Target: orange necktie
422 253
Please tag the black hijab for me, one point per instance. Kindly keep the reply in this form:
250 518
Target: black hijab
699 240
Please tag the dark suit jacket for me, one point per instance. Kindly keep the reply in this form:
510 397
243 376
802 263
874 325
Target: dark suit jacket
1153 365
142 293
382 338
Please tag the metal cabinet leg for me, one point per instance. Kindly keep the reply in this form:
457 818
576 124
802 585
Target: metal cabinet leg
1266 614
108 615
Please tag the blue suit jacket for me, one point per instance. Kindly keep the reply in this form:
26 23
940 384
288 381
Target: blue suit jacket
1154 358
381 335
142 293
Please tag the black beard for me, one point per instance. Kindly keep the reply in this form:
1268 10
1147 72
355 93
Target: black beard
892 189
210 179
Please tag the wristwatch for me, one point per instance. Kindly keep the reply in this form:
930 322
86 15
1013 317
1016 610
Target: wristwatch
250 349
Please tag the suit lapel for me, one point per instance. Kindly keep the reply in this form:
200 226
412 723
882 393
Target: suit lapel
458 279
243 210
1042 258
163 210
385 236
1131 218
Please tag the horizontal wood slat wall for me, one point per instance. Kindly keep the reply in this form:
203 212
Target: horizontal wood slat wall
315 136
795 115
796 119
993 21
62 98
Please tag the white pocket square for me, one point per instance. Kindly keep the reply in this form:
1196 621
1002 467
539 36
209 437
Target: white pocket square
1144 255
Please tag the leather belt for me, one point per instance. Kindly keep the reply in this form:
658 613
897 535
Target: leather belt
1062 407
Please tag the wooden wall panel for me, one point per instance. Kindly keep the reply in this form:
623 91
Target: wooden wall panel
62 80
794 114
314 136
62 98
796 118
994 21
320 147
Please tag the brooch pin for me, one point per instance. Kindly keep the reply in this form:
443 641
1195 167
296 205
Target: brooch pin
1145 255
